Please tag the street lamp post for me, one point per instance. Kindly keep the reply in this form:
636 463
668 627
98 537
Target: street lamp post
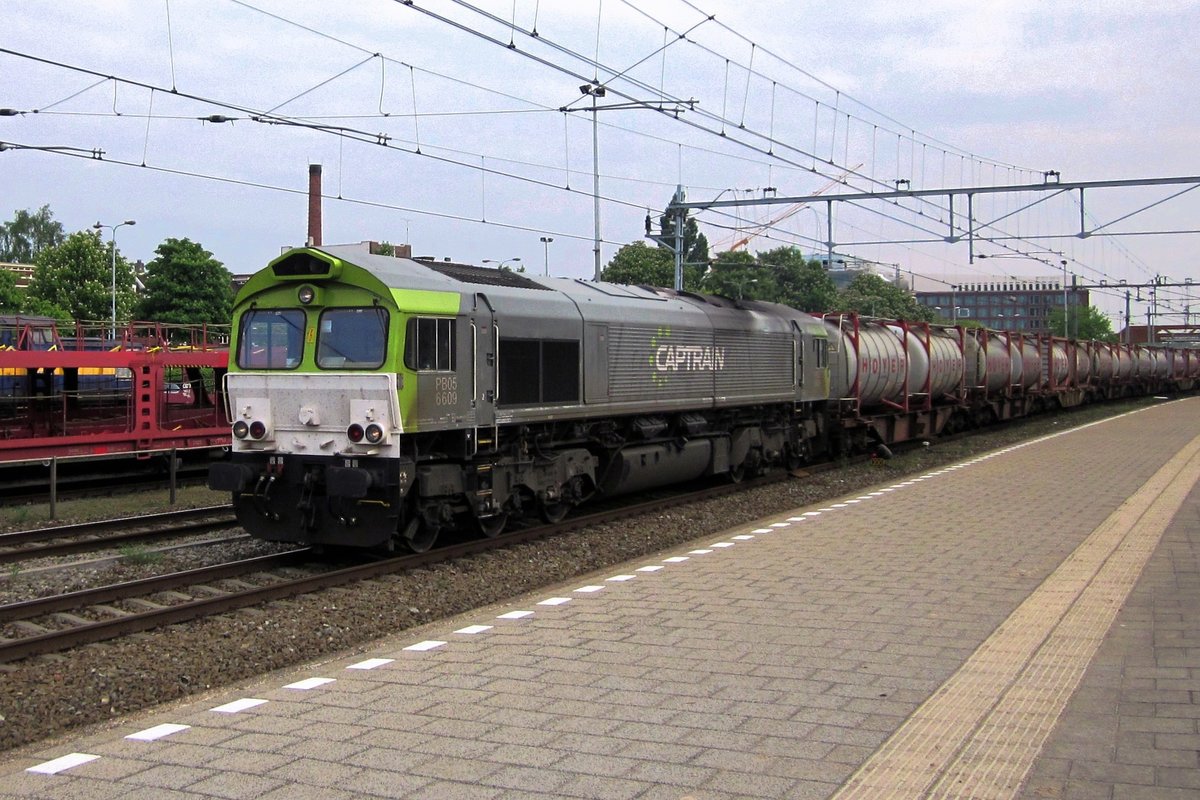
546 240
98 226
595 90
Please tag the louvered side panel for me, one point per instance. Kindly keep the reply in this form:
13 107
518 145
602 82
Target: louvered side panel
755 365
648 363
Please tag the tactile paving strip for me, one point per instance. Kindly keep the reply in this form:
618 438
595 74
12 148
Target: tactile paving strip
979 734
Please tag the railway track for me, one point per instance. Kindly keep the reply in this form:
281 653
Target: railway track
88 536
51 624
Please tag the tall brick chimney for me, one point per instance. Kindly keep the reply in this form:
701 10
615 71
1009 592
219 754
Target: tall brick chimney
314 205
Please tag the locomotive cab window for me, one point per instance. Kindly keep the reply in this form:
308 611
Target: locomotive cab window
821 349
430 344
352 338
271 339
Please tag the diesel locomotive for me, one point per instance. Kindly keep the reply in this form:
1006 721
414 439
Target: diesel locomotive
378 401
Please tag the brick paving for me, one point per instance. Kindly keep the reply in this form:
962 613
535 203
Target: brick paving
1132 730
771 663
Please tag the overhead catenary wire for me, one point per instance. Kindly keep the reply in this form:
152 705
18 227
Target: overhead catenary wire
511 24
542 39
484 160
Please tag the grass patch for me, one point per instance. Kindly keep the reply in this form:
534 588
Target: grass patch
139 554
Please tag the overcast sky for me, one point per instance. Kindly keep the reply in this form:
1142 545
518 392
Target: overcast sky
949 95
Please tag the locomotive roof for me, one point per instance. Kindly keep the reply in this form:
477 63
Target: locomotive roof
547 292
408 273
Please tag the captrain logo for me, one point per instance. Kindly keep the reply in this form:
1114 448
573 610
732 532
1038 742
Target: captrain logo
667 358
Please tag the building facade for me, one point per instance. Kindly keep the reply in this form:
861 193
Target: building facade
1004 303
22 272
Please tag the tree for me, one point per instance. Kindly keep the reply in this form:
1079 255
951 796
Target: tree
871 295
76 277
37 307
10 295
186 285
28 234
1086 322
639 264
738 275
797 282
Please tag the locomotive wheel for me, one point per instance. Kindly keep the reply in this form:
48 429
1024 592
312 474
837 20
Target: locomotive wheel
418 536
737 474
554 513
492 526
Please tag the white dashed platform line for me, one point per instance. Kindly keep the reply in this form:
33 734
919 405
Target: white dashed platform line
591 589
238 706
745 537
428 644
721 544
62 763
675 560
621 578
472 630
157 732
650 568
700 552
554 601
309 683
515 615
371 663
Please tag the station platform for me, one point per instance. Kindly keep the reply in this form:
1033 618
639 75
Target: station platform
1020 625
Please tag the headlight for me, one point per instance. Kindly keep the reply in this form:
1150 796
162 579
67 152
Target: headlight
355 433
306 295
374 433
258 429
240 429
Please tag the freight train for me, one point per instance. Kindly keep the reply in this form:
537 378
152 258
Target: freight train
377 401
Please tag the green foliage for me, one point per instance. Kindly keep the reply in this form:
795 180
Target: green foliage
797 282
186 285
37 307
29 233
872 296
139 554
781 275
10 295
737 275
1088 323
639 264
76 276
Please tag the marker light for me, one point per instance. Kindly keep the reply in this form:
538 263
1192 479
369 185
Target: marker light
374 433
306 295
240 429
258 429
355 433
